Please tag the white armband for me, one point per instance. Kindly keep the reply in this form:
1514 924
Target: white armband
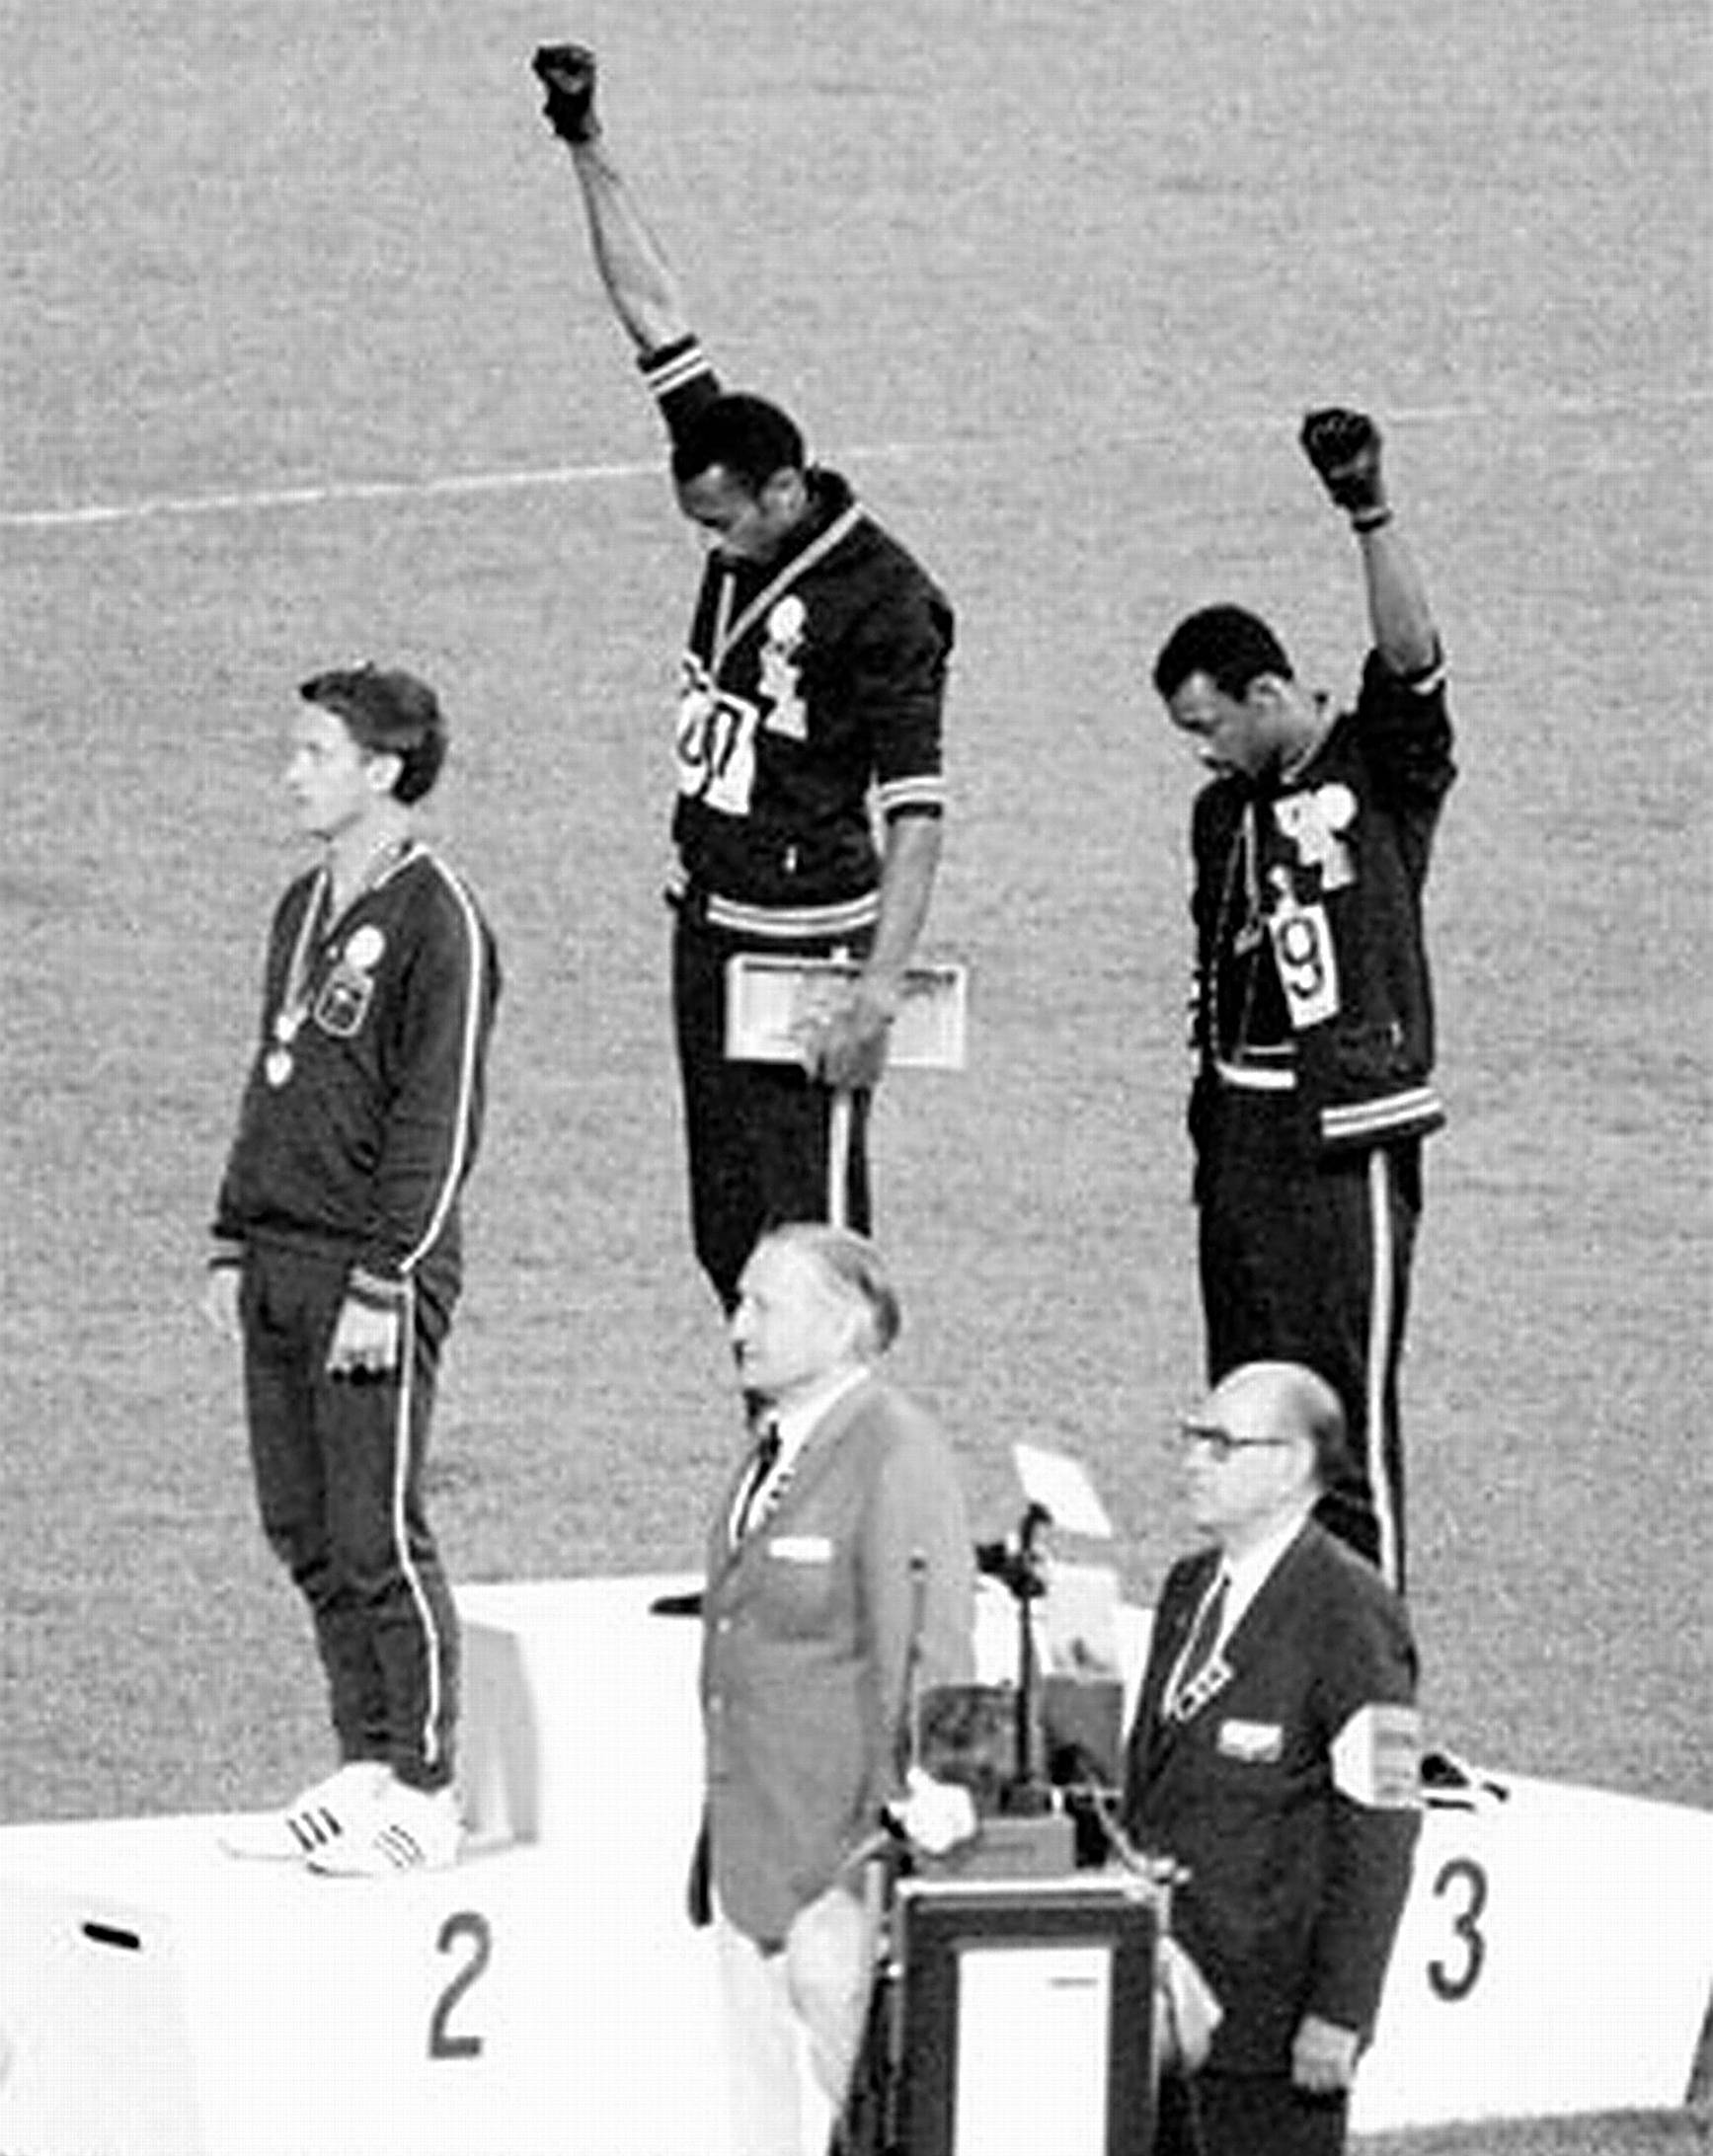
1376 1758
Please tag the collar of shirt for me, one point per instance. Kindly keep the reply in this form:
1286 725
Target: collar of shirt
1247 1573
796 1422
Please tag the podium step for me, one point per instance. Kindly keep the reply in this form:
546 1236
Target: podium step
547 1997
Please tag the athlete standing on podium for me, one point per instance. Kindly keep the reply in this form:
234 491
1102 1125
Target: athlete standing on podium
337 1259
1313 1012
811 695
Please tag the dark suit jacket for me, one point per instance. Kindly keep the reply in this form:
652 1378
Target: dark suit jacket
806 1648
1295 1887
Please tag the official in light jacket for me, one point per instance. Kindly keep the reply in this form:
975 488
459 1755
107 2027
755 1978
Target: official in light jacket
839 1581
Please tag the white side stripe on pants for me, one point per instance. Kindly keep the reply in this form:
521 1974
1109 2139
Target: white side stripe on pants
1382 1286
431 1642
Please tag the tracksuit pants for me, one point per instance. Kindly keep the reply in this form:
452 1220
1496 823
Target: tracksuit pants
759 1135
1305 1257
339 1465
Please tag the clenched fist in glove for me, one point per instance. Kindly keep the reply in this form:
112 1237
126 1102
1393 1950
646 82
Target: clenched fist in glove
567 74
1345 449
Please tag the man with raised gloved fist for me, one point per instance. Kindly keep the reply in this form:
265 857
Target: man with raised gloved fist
808 738
1312 1015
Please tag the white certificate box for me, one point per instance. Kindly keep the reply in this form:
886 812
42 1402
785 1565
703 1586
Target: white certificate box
1033 2022
1026 2012
774 1004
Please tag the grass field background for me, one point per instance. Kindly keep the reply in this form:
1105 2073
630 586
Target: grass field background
303 362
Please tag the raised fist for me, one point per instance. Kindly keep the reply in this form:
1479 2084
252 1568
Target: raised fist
567 74
1345 449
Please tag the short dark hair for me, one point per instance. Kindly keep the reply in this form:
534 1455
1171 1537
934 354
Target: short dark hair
1227 644
388 713
744 435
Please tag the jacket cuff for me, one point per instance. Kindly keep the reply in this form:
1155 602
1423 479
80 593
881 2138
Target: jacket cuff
673 367
380 1291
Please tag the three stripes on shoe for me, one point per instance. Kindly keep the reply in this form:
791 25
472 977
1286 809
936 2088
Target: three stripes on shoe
316 1827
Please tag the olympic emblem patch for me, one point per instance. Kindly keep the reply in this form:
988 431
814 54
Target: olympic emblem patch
782 669
347 991
1314 823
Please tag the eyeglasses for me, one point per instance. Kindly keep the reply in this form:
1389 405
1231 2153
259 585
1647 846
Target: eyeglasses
1218 1441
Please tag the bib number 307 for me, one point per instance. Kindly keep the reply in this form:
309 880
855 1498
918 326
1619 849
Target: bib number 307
715 745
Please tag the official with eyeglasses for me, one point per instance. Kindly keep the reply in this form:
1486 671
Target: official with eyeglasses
1276 1757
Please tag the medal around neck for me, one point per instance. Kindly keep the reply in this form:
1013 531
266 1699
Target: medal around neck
278 1063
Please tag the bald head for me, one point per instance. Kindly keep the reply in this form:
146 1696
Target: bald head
1285 1400
1257 1451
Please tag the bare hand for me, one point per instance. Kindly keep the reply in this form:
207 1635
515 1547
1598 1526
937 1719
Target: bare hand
366 1341
1323 2058
848 1048
220 1301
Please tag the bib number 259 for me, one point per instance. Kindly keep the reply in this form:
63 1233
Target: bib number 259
1302 951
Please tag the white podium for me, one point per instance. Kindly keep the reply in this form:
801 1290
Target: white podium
547 1997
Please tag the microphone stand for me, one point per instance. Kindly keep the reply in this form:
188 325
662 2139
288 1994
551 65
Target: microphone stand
1020 1567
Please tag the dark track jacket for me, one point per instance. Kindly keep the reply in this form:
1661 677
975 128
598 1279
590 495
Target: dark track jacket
1336 855
811 694
1290 1795
356 1135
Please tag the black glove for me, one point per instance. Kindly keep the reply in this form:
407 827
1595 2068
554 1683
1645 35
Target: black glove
1345 449
567 74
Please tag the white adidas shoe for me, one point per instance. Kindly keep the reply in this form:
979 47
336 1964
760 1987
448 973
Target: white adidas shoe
324 1816
406 1831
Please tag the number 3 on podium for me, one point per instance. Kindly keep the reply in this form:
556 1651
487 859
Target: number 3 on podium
1464 1878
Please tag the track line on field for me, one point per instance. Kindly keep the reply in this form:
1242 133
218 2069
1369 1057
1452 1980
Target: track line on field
264 498
333 493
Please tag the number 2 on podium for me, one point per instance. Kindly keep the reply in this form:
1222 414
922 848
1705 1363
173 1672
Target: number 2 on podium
470 1934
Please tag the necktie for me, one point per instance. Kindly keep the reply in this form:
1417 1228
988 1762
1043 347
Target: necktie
760 1467
1185 1693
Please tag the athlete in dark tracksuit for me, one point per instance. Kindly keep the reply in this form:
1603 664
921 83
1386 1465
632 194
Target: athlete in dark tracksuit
1312 1015
340 1203
811 680
809 710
